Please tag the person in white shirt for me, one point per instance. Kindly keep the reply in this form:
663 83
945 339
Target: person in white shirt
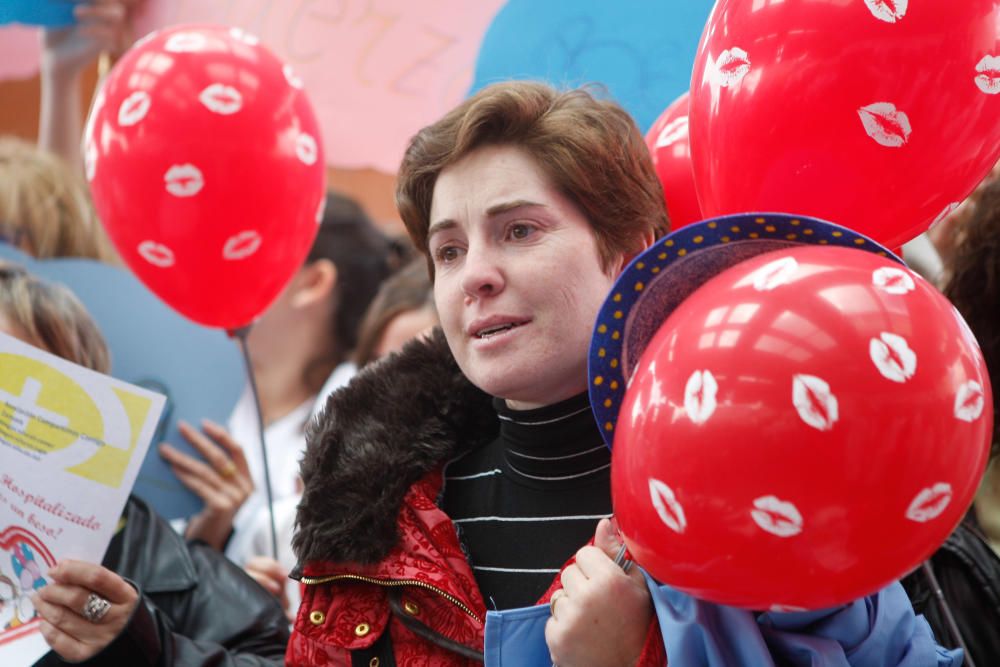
307 332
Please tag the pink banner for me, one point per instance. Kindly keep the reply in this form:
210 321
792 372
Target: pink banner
20 50
376 70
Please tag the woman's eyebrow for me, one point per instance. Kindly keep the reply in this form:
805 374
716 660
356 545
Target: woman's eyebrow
506 207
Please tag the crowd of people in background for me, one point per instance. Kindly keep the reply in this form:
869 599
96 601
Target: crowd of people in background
382 432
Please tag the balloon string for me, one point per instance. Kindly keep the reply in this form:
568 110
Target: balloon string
946 610
241 335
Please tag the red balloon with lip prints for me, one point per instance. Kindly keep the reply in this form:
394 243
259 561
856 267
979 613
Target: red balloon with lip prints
806 427
668 143
205 163
879 115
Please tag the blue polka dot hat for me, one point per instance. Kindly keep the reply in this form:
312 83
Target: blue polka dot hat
669 271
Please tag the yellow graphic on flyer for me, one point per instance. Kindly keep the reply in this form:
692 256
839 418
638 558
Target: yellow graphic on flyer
48 415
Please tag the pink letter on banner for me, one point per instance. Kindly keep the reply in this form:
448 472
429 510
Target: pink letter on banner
376 70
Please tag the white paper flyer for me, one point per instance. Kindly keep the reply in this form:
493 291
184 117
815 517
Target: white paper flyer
71 444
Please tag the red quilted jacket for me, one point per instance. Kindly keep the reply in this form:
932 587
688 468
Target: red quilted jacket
384 580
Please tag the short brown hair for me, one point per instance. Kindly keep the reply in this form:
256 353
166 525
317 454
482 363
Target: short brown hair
973 285
52 318
589 148
409 289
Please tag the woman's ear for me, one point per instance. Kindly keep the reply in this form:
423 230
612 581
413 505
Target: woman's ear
314 283
643 242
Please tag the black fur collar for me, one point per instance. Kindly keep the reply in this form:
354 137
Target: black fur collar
397 420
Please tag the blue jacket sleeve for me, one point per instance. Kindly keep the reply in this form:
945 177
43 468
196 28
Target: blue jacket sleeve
880 630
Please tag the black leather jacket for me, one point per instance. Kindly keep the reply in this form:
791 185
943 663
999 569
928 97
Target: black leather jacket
969 574
195 607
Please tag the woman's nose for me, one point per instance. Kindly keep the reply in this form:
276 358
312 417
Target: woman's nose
482 275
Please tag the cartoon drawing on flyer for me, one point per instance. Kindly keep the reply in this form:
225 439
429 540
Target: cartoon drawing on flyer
22 557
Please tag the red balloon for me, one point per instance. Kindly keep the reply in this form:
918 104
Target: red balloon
206 167
805 428
668 143
877 115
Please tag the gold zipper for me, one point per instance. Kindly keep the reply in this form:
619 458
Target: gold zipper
313 581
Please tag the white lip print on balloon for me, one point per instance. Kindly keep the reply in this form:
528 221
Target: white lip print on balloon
988 75
885 124
305 149
671 132
291 77
816 404
733 64
929 503
893 357
969 401
667 507
242 245
893 281
774 274
889 11
185 42
134 108
242 35
221 99
156 254
184 180
699 396
776 516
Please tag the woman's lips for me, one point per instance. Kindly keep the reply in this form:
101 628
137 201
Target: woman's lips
930 503
156 254
893 357
776 516
889 11
969 401
184 180
732 65
666 506
700 396
242 245
893 281
221 99
816 404
988 75
885 124
134 108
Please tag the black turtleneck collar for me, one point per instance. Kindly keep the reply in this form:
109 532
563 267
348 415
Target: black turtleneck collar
558 442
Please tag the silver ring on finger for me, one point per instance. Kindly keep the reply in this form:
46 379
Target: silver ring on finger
95 608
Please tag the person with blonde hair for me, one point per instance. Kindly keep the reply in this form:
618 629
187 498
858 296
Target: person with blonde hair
45 208
166 602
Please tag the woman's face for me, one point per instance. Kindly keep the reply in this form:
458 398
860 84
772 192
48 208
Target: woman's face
518 281
403 328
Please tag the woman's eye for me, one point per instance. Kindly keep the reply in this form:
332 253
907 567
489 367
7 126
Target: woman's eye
519 231
446 254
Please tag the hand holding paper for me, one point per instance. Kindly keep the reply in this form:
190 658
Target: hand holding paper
84 609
